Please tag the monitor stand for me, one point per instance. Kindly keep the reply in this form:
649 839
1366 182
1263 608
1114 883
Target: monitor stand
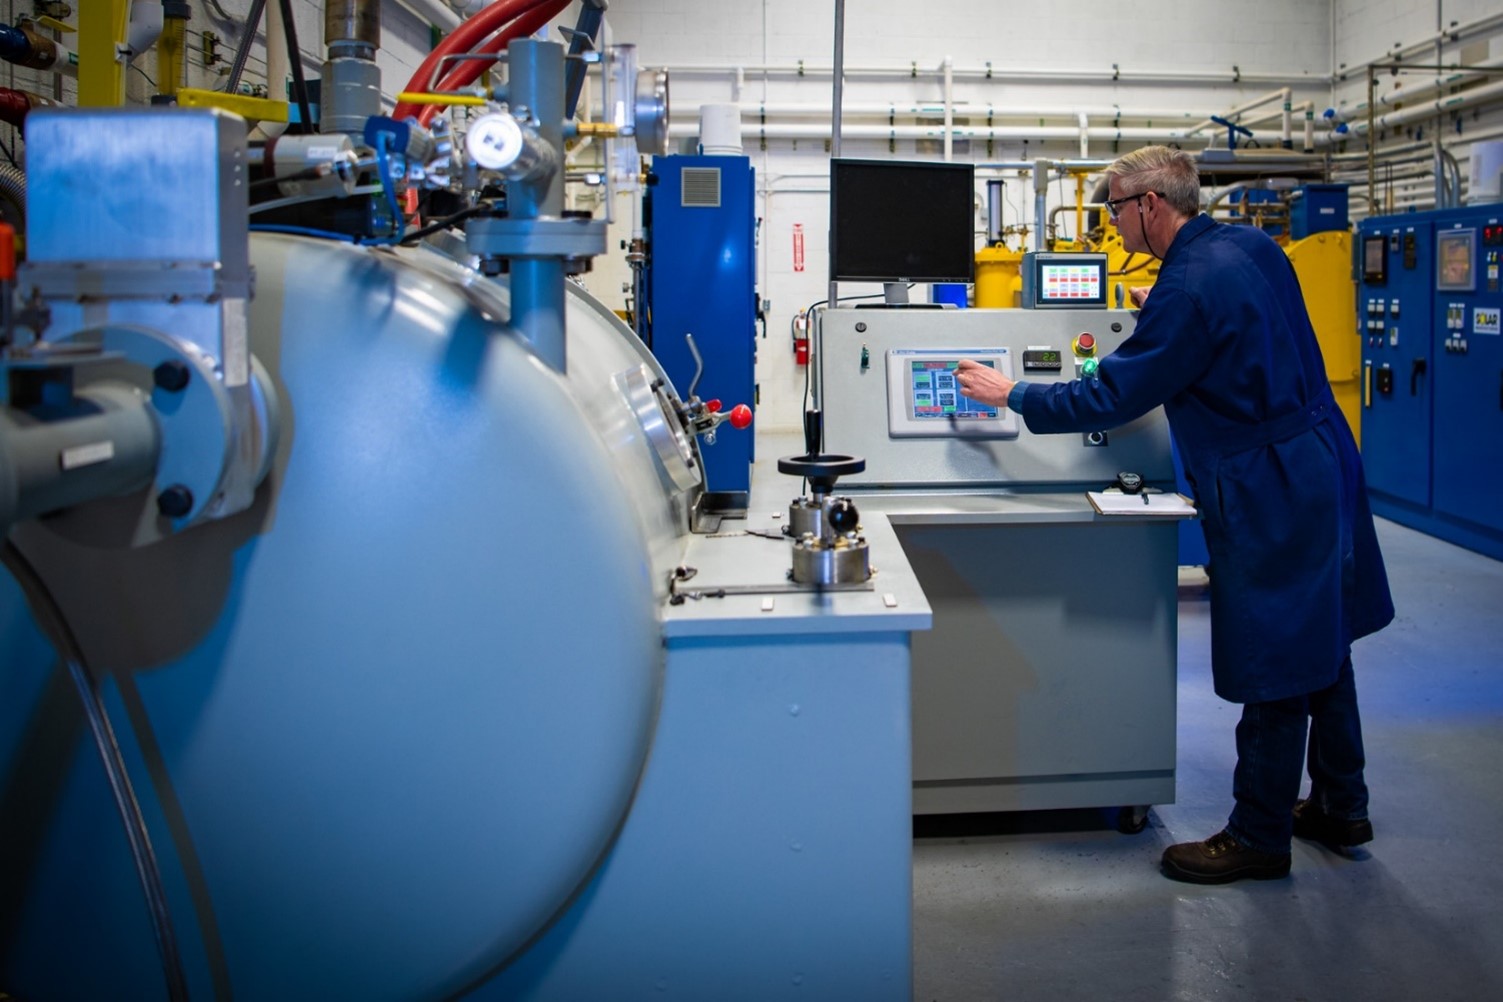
895 297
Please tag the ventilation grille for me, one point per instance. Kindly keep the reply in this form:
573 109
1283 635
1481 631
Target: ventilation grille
701 187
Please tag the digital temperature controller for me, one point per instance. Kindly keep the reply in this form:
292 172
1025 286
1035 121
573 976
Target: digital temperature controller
1043 360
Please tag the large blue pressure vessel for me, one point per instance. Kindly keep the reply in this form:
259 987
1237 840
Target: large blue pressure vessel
387 721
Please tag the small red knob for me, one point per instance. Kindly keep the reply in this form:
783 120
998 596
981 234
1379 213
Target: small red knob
712 406
1087 341
741 416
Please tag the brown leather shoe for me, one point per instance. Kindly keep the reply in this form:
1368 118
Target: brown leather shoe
1221 859
1334 833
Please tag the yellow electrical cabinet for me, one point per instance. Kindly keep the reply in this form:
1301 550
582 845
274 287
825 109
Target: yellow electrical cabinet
1323 262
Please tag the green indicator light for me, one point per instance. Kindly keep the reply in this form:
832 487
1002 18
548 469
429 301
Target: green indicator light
1088 368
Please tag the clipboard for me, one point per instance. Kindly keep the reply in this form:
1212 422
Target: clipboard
1117 503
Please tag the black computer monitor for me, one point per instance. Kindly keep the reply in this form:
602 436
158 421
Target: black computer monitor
902 221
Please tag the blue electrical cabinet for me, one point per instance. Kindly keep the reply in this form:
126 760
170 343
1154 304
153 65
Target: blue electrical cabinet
1428 307
701 279
1393 318
1318 208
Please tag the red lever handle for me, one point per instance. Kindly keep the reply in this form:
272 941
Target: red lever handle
741 416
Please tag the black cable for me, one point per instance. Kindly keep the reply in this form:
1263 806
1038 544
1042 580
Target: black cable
8 154
242 51
50 618
226 15
295 57
442 224
809 312
306 174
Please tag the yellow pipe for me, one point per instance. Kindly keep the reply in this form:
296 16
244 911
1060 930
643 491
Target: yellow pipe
170 55
1080 210
101 74
419 97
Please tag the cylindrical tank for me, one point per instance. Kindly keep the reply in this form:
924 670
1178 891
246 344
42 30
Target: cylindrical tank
720 129
999 280
385 723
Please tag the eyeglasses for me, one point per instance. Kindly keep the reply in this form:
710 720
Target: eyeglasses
1114 205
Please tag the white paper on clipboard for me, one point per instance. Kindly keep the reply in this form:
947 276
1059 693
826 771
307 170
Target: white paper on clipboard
1114 503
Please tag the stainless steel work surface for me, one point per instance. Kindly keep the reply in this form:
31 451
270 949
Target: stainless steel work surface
736 559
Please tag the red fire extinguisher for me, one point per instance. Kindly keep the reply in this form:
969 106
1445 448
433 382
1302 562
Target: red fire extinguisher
801 339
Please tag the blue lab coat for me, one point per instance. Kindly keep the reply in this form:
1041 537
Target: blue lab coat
1225 345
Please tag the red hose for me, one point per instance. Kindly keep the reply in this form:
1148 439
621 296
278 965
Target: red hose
463 39
470 70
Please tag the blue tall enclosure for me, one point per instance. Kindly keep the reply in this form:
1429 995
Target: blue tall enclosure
1428 306
701 280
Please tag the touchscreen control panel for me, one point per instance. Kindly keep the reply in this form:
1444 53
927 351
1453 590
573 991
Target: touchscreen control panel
924 399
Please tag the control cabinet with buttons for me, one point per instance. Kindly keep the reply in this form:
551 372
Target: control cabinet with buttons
1432 399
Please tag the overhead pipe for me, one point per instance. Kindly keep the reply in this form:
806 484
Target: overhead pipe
1407 95
991 74
1360 156
435 12
1281 94
1452 102
823 130
1455 34
930 109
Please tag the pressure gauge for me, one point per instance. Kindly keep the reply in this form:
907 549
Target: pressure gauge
494 141
499 142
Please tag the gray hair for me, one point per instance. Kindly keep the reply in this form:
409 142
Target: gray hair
1171 173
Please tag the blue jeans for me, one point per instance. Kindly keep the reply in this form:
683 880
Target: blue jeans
1270 745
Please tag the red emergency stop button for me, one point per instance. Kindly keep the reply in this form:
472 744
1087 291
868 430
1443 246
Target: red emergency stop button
1085 345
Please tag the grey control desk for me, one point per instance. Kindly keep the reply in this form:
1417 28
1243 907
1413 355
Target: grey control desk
1048 680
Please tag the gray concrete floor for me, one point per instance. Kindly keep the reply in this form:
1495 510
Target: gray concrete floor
1058 905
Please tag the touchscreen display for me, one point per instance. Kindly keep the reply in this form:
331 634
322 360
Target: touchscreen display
933 392
1069 281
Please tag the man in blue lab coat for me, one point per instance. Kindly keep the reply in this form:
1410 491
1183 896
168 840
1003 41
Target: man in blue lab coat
1225 345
